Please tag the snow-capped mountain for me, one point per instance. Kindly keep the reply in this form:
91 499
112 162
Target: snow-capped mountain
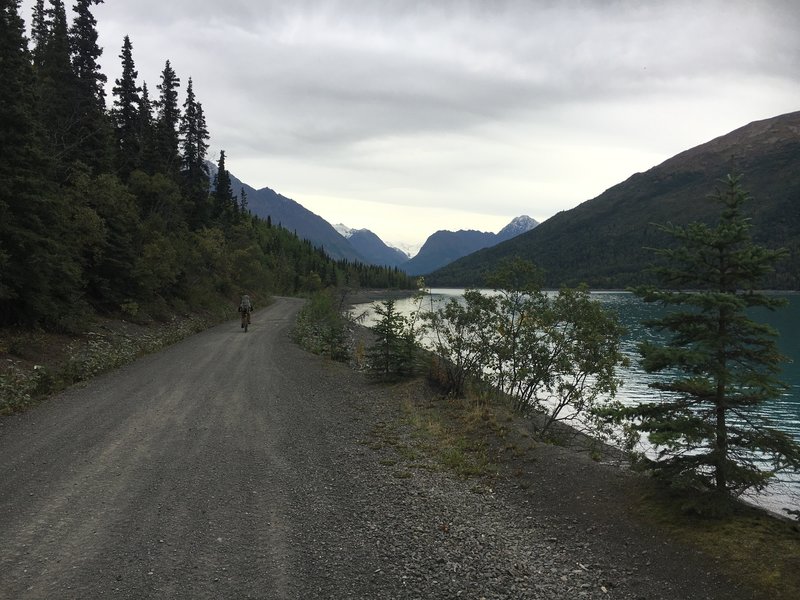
344 230
443 247
368 244
518 226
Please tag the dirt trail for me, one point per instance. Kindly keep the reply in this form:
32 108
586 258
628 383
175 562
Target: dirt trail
190 473
234 465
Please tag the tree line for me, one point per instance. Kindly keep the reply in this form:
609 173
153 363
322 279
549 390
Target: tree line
107 204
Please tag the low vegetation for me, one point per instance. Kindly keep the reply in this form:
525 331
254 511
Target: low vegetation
36 363
514 361
487 442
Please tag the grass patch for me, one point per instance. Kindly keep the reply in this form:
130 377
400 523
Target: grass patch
448 435
750 545
469 439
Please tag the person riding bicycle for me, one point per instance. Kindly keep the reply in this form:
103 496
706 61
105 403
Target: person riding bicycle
245 307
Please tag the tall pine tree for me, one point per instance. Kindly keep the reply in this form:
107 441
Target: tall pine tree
93 131
167 123
194 146
125 114
721 365
38 31
224 202
57 88
39 276
146 133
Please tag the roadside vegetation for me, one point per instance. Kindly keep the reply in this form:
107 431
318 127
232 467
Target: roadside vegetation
38 363
503 371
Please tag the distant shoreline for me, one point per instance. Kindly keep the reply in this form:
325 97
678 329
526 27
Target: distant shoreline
364 296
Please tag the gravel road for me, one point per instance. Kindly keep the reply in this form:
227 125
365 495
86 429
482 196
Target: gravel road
235 465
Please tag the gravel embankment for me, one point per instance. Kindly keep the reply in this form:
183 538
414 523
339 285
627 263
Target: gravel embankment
557 531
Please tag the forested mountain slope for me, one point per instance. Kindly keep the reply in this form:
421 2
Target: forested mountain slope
444 247
603 242
289 214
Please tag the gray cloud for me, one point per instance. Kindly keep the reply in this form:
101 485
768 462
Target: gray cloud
540 104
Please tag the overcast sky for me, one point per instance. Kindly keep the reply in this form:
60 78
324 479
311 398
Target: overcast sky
407 117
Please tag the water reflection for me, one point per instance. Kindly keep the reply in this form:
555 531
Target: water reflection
783 411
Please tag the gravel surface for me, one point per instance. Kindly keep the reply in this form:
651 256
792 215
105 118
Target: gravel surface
235 465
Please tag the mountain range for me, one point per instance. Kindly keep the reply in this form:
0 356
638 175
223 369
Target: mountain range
605 242
371 247
443 247
362 245
291 215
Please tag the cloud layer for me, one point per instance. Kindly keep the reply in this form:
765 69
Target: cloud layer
470 112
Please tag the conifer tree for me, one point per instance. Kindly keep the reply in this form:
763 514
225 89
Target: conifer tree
167 122
93 131
39 279
725 364
194 145
38 31
145 133
125 113
223 199
57 88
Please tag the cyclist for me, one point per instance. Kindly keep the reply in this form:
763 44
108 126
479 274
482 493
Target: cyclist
245 308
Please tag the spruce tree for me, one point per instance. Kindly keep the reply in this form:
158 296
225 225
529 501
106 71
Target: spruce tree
125 113
146 134
721 365
57 88
166 124
223 198
38 31
194 145
39 278
93 137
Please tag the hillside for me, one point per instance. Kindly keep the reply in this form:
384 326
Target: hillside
293 216
444 247
371 247
603 241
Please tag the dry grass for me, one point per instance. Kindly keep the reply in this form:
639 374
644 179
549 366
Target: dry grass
750 545
478 440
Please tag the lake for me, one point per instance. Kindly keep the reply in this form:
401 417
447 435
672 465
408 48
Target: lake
783 411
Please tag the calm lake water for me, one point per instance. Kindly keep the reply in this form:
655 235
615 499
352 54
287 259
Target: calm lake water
784 411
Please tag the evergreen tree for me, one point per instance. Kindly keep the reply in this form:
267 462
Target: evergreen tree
194 145
392 355
94 135
707 429
146 134
166 124
38 31
223 198
86 52
125 113
57 88
39 279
